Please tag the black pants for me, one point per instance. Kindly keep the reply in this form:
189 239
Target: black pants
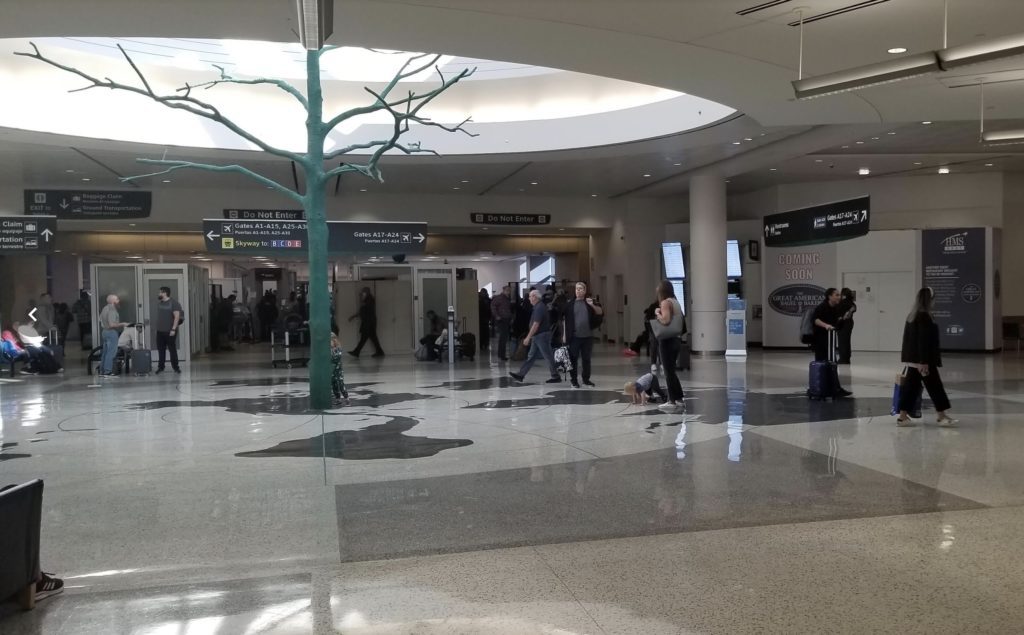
485 335
669 351
845 333
912 388
656 389
370 336
165 341
502 327
581 346
85 329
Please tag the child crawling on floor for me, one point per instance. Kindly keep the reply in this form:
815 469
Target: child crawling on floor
338 372
644 388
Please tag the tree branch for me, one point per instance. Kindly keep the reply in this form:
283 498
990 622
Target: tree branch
225 78
179 165
184 102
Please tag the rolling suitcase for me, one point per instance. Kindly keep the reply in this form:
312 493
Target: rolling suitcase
142 358
56 347
823 382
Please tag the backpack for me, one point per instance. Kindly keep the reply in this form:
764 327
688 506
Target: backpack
807 326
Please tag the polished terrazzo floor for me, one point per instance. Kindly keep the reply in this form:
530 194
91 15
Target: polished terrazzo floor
449 500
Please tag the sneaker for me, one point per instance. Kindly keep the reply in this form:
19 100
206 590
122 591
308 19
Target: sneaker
356 355
554 380
628 352
516 376
47 586
904 423
575 384
158 371
670 408
587 382
947 422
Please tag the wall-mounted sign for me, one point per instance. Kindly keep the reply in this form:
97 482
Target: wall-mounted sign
268 273
484 218
275 237
953 264
27 235
265 214
89 204
828 223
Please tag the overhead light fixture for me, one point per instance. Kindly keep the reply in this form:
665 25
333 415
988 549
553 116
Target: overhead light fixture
819 160
773 169
926 123
988 165
943 170
647 176
860 143
917 163
896 50
864 171
1003 137
85 178
978 52
70 171
533 182
747 139
465 181
875 138
677 164
316 22
865 76
167 180
736 143
593 196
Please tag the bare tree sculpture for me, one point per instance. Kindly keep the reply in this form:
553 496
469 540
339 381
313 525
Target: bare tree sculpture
403 110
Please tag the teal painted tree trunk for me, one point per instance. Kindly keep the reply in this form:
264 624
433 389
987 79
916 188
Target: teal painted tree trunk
403 111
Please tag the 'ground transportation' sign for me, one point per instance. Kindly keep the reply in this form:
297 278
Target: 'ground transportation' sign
268 237
89 204
27 234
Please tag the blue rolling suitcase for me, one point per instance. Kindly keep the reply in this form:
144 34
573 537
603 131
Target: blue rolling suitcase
823 381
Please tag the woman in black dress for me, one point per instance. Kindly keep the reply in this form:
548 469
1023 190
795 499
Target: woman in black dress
922 356
367 323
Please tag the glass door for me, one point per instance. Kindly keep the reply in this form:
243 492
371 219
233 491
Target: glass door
119 280
152 281
434 292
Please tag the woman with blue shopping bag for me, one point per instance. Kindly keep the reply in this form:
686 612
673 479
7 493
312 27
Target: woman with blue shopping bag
922 356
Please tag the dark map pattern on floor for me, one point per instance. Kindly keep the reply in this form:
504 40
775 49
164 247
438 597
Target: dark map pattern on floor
276 404
478 384
379 441
6 456
265 382
560 398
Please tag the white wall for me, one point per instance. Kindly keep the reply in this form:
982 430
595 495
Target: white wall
497 273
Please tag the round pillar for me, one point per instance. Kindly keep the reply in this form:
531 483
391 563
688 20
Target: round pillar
707 267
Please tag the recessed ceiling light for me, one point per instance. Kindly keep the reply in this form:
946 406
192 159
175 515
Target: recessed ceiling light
677 164
988 165
85 178
485 228
917 163
864 171
533 183
647 176
593 196
362 189
819 160
561 229
131 224
167 180
943 170
736 143
465 181
456 188
875 138
70 171
56 251
896 50
846 147
747 139
890 133
773 169
860 143
926 123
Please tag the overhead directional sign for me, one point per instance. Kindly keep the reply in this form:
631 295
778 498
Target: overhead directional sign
480 218
89 204
27 234
827 223
283 237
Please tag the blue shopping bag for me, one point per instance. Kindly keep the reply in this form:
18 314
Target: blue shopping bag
897 389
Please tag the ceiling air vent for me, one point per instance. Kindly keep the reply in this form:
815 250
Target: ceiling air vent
839 11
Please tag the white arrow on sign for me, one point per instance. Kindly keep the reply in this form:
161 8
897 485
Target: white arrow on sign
32 314
46 234
420 238
210 235
64 203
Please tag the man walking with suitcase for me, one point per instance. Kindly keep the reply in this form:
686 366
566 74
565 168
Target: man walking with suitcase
826 317
168 318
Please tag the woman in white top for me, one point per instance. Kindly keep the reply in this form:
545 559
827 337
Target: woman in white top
670 315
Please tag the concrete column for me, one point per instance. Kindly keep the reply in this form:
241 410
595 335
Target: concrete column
707 266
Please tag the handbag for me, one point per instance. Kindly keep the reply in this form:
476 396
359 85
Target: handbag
673 328
897 390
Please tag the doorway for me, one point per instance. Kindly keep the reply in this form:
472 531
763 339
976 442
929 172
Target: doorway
152 280
883 299
434 292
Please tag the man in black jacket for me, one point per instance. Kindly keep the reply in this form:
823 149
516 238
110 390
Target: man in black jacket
582 319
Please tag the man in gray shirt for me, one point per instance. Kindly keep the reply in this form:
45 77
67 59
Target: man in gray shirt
110 328
168 319
582 318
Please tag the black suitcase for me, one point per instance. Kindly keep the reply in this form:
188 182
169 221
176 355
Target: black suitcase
142 358
683 359
823 379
